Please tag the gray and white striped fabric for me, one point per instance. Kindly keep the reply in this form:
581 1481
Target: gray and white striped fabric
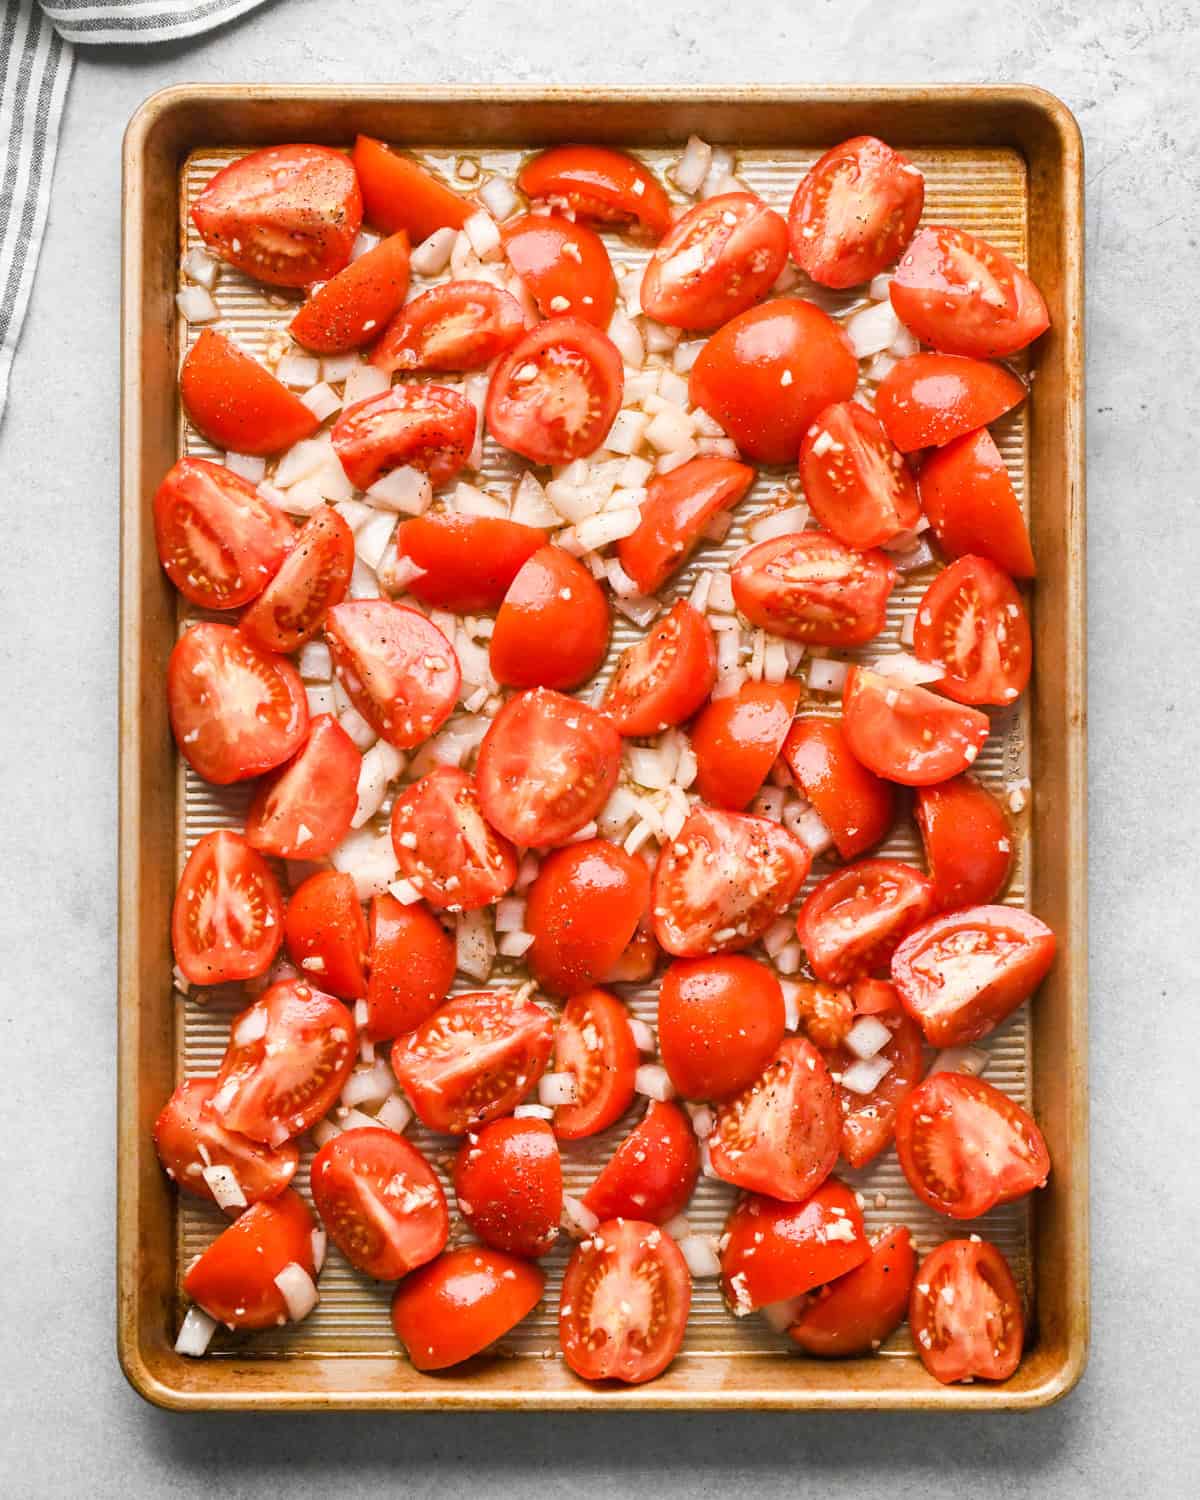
36 53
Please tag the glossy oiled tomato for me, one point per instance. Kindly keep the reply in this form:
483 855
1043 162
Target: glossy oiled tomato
457 1305
872 997
444 846
468 563
960 975
718 259
776 1251
963 296
188 1138
972 506
427 427
625 1302
854 211
546 767
564 265
965 1313
553 627
313 578
720 1022
663 678
508 1183
227 920
780 1136
769 373
907 733
854 804
972 622
553 397
583 910
326 934
652 1173
598 183
595 1043
235 710
459 325
288 1057
398 193
399 669
218 540
304 810
810 587
474 1059
856 483
856 1312
411 963
926 400
968 843
965 1147
236 403
351 309
737 740
234 1280
825 1013
287 215
852 921
720 884
869 1120
677 508
380 1201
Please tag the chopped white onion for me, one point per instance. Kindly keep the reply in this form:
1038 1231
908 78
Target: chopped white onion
199 266
369 859
577 1220
775 661
785 522
196 1333
363 381
515 944
364 242
865 1077
778 936
484 235
701 1254
867 1036
902 667
369 1085
355 1119
322 400
373 537
404 489
653 1080
498 198
972 1060
671 431
475 945
299 1291
432 255
791 1004
557 1088
224 1186
324 1131
643 1035
356 726
609 526
335 368
678 1228
302 459
703 1120
686 354
639 384
904 344
298 370
720 594
395 1113
316 665
693 166
660 339
626 335
529 504
467 500
641 609
826 675
873 329
247 466
789 959
320 1243
627 431
806 823
919 557
510 915
196 305
532 1112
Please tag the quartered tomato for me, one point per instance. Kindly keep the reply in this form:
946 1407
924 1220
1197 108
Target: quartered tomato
855 1313
595 1043
824 1011
399 669
583 911
776 1251
625 1300
869 1120
509 1187
286 215
564 265
652 1173
288 1057
767 374
960 975
663 678
965 1147
553 397
553 627
852 920
304 810
677 508
326 934
411 967
927 400
737 739
235 710
598 183
854 211
398 193
715 261
968 843
234 1279
639 960
872 997
312 579
380 1201
358 303
218 540
474 1059
457 1305
720 1022
227 920
236 403
781 1135
965 1313
907 733
468 563
546 767
972 622
188 1138
720 884
972 506
854 804
445 847
459 325
426 427
810 587
856 483
963 296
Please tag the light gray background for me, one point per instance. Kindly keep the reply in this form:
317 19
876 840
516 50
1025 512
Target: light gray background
69 1426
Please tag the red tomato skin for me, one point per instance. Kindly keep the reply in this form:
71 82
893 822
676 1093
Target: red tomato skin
312 579
399 194
320 784
583 910
675 511
326 934
720 1022
469 562
738 739
599 183
854 804
349 310
869 1123
185 1124
508 1184
974 609
595 1042
236 403
457 325
653 1172
962 1338
867 719
972 506
429 427
399 669
856 484
967 841
411 967
580 276
854 1314
234 1279
776 1251
873 997
444 846
879 197
457 1305
553 627
738 378
742 246
786 585
222 873
852 921
662 679
928 400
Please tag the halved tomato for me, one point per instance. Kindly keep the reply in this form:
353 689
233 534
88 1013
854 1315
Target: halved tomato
968 843
459 325
927 400
677 508
972 506
509 1187
972 622
663 678
907 733
857 1311
553 627
776 1251
781 1135
457 1305
313 578
599 183
326 934
564 265
468 563
234 1279
411 967
854 804
427 427
723 880
639 960
398 193
965 1312
583 911
227 920
869 1120
852 921
188 1138
810 587
652 1173
445 847
546 767
715 261
553 397
474 1059
960 975
824 1012
236 403
720 1022
595 1043
737 739
380 1201
304 810
857 485
872 997
351 309
399 669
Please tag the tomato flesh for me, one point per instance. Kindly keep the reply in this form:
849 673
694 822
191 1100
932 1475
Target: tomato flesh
399 669
188 1138
236 403
965 1313
564 265
427 427
599 183
458 325
553 397
227 919
869 1121
662 679
305 808
856 1312
398 193
457 1305
553 627
720 1022
312 579
509 1188
810 587
326 934
677 508
715 261
583 910
444 845
854 804
856 483
411 968
972 506
234 1279
927 400
737 740
851 923
967 841
972 621
468 563
653 1172
776 1251
906 733
349 310
595 1043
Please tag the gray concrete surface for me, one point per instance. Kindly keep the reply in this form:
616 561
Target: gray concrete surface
69 1426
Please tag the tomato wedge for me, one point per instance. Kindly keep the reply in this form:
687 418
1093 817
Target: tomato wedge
427 427
553 627
715 261
595 1043
457 1305
652 1174
564 265
351 309
825 1013
869 1120
444 846
856 1312
737 739
927 400
972 506
776 1251
411 967
234 1279
677 508
968 843
720 1022
965 1312
326 934
851 923
459 325
188 1138
468 563
553 397
227 920
856 483
312 579
663 678
509 1187
972 622
599 183
810 587
399 669
236 403
304 810
907 733
583 911
398 193
854 804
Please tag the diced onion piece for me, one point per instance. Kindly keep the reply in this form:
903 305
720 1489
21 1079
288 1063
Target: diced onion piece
324 1131
364 241
649 766
904 344
196 1333
775 661
687 766
364 381
322 400
653 1080
196 305
626 335
805 822
864 1077
678 1228
919 557
671 431
693 166
659 338
867 1036
702 1255
250 1028
373 536
515 944
880 287
627 431
905 668
639 385
357 728
826 675
320 1243
686 354
498 198
703 1120
404 489
355 1119
224 1186
404 891
720 594
784 522
641 609
483 234
532 1112
298 370
510 915
432 255
395 1113
299 1291
530 506
789 959
873 329
247 466
643 1035
475 945
557 1088
781 1315
199 266
302 459
576 1218
609 526
335 368
470 501
369 1085
972 1060
778 936
369 859
316 665
791 1004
